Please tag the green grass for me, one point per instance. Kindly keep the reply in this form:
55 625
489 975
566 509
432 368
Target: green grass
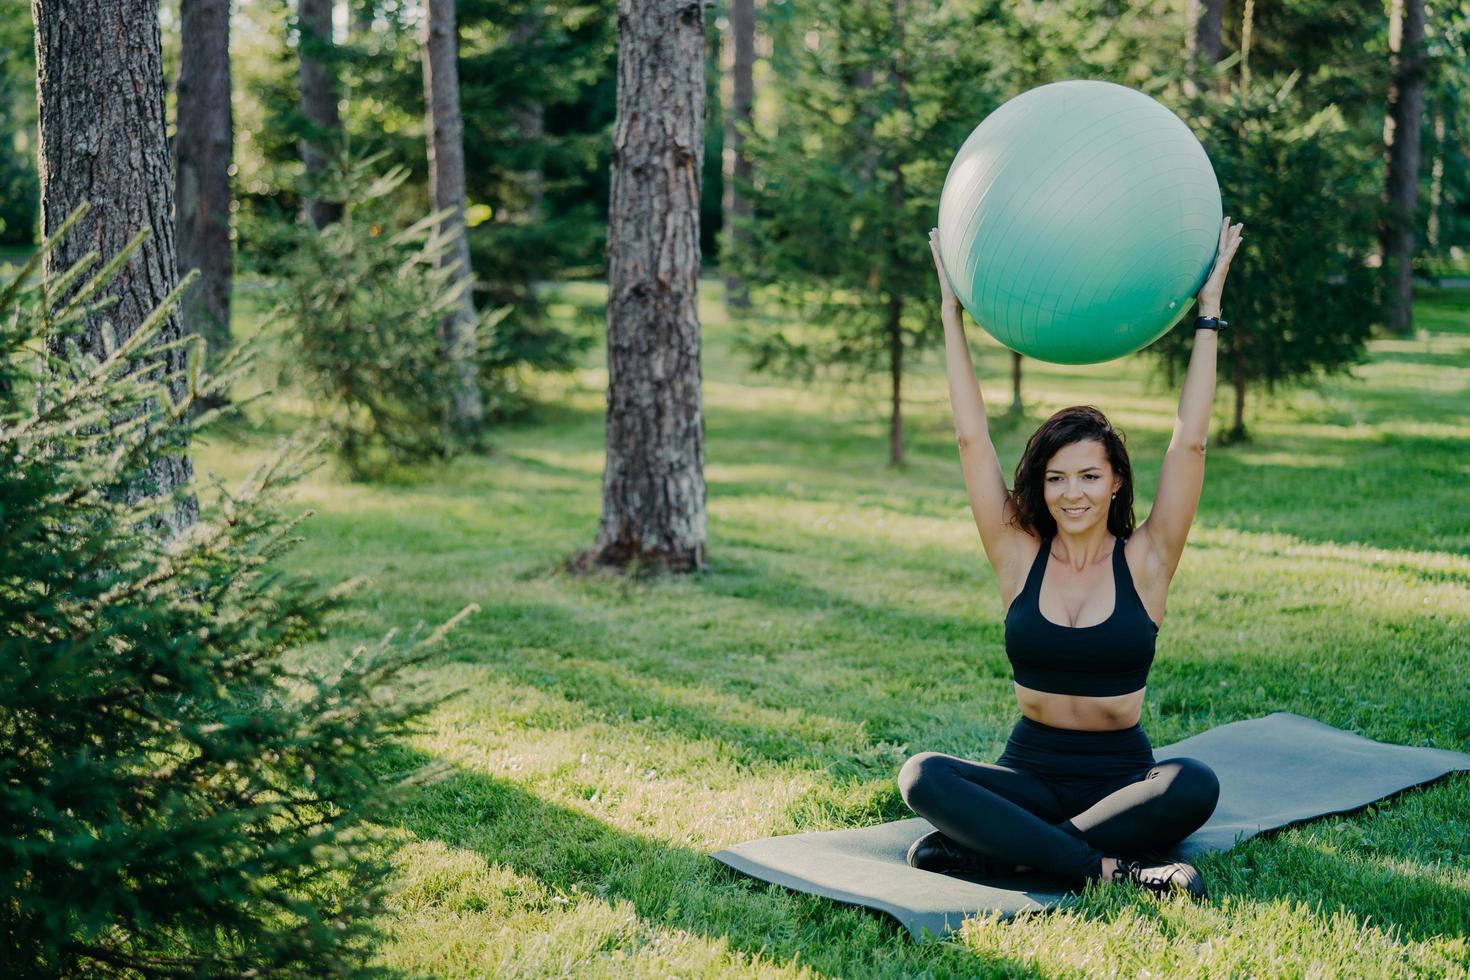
613 733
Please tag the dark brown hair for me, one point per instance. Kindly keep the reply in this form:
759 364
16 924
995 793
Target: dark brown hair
1076 424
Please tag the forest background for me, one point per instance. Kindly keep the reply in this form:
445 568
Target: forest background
225 754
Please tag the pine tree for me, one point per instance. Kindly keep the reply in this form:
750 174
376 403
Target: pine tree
1401 137
204 143
879 98
653 490
107 144
367 297
444 128
317 81
1301 300
179 797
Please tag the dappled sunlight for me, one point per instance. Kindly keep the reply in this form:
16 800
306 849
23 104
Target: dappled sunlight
1228 935
1288 459
613 732
681 737
458 914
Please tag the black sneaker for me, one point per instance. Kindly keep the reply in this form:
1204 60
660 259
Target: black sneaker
1163 879
937 853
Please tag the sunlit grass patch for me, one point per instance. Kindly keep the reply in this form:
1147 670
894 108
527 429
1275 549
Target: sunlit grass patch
611 733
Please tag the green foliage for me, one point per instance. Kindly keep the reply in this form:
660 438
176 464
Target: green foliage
179 795
545 189
365 297
1446 133
20 189
847 185
1300 299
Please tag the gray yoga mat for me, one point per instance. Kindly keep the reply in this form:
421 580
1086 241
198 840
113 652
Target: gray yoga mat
1274 771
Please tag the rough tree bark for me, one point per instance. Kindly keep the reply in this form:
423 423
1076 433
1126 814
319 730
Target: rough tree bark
203 143
99 95
653 490
318 90
445 131
1401 162
736 163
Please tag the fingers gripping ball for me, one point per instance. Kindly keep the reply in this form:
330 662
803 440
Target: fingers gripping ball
1078 221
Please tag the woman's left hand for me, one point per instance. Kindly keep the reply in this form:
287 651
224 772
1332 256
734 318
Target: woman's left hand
1209 294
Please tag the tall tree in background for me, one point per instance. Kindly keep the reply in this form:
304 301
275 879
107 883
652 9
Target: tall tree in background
318 86
877 97
18 187
653 490
1204 20
99 97
530 115
203 143
1301 299
445 131
740 46
1401 162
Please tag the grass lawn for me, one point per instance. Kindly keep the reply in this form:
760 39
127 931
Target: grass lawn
612 733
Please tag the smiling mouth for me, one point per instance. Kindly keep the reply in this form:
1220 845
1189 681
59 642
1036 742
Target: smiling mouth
1075 511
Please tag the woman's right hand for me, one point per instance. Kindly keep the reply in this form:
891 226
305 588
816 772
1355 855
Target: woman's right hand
947 299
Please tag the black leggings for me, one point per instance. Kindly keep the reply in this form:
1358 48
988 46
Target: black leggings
1060 800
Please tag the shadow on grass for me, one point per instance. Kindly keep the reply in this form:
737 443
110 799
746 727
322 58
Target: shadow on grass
575 854
1402 492
1386 884
673 887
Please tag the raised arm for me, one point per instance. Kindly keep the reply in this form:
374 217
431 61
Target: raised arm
1006 546
1182 475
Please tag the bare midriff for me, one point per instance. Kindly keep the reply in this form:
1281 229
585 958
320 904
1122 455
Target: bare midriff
1086 714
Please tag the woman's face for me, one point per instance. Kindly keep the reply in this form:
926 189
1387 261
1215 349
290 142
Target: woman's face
1080 484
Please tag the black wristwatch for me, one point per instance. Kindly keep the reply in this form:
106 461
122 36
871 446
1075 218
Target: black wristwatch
1210 323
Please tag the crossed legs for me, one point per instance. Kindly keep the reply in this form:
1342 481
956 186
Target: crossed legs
1014 817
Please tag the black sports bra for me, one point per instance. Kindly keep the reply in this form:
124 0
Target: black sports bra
1108 658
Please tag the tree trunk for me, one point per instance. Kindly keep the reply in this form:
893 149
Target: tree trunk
1436 180
530 118
1206 19
895 379
99 99
737 163
1238 380
1017 406
1247 24
895 302
204 141
318 104
653 490
446 185
1401 162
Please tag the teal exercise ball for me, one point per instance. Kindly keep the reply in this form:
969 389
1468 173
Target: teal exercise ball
1078 221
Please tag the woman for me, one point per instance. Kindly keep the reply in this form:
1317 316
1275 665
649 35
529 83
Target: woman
1077 791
